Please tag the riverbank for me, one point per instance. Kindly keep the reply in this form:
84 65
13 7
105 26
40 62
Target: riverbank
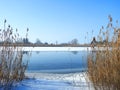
72 81
57 48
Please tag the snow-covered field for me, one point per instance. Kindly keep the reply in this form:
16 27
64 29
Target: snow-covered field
45 81
57 48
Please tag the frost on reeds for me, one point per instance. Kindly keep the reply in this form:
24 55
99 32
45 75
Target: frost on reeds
104 65
12 68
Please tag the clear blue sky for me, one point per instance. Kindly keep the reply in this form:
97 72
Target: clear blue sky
61 20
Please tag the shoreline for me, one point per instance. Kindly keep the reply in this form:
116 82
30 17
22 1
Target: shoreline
57 48
76 77
79 80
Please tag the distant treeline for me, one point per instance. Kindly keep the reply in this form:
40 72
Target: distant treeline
43 45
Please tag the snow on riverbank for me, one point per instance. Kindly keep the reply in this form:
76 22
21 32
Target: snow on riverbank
72 81
46 81
57 48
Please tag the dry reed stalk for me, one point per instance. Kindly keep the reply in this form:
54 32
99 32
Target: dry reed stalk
12 68
104 65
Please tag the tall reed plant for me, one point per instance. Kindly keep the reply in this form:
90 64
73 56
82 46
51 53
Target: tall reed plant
104 60
12 68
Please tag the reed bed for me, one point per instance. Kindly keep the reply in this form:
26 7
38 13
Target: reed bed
12 68
104 65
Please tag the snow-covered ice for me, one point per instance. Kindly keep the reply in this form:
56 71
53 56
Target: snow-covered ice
45 81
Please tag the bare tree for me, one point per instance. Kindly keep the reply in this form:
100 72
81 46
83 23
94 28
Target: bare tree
38 41
74 42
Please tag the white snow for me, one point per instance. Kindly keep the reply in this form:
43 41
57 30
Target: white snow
57 48
47 81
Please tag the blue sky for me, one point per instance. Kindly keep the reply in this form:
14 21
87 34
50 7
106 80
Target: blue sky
58 20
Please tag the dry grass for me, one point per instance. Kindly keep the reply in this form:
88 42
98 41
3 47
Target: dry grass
12 68
104 65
